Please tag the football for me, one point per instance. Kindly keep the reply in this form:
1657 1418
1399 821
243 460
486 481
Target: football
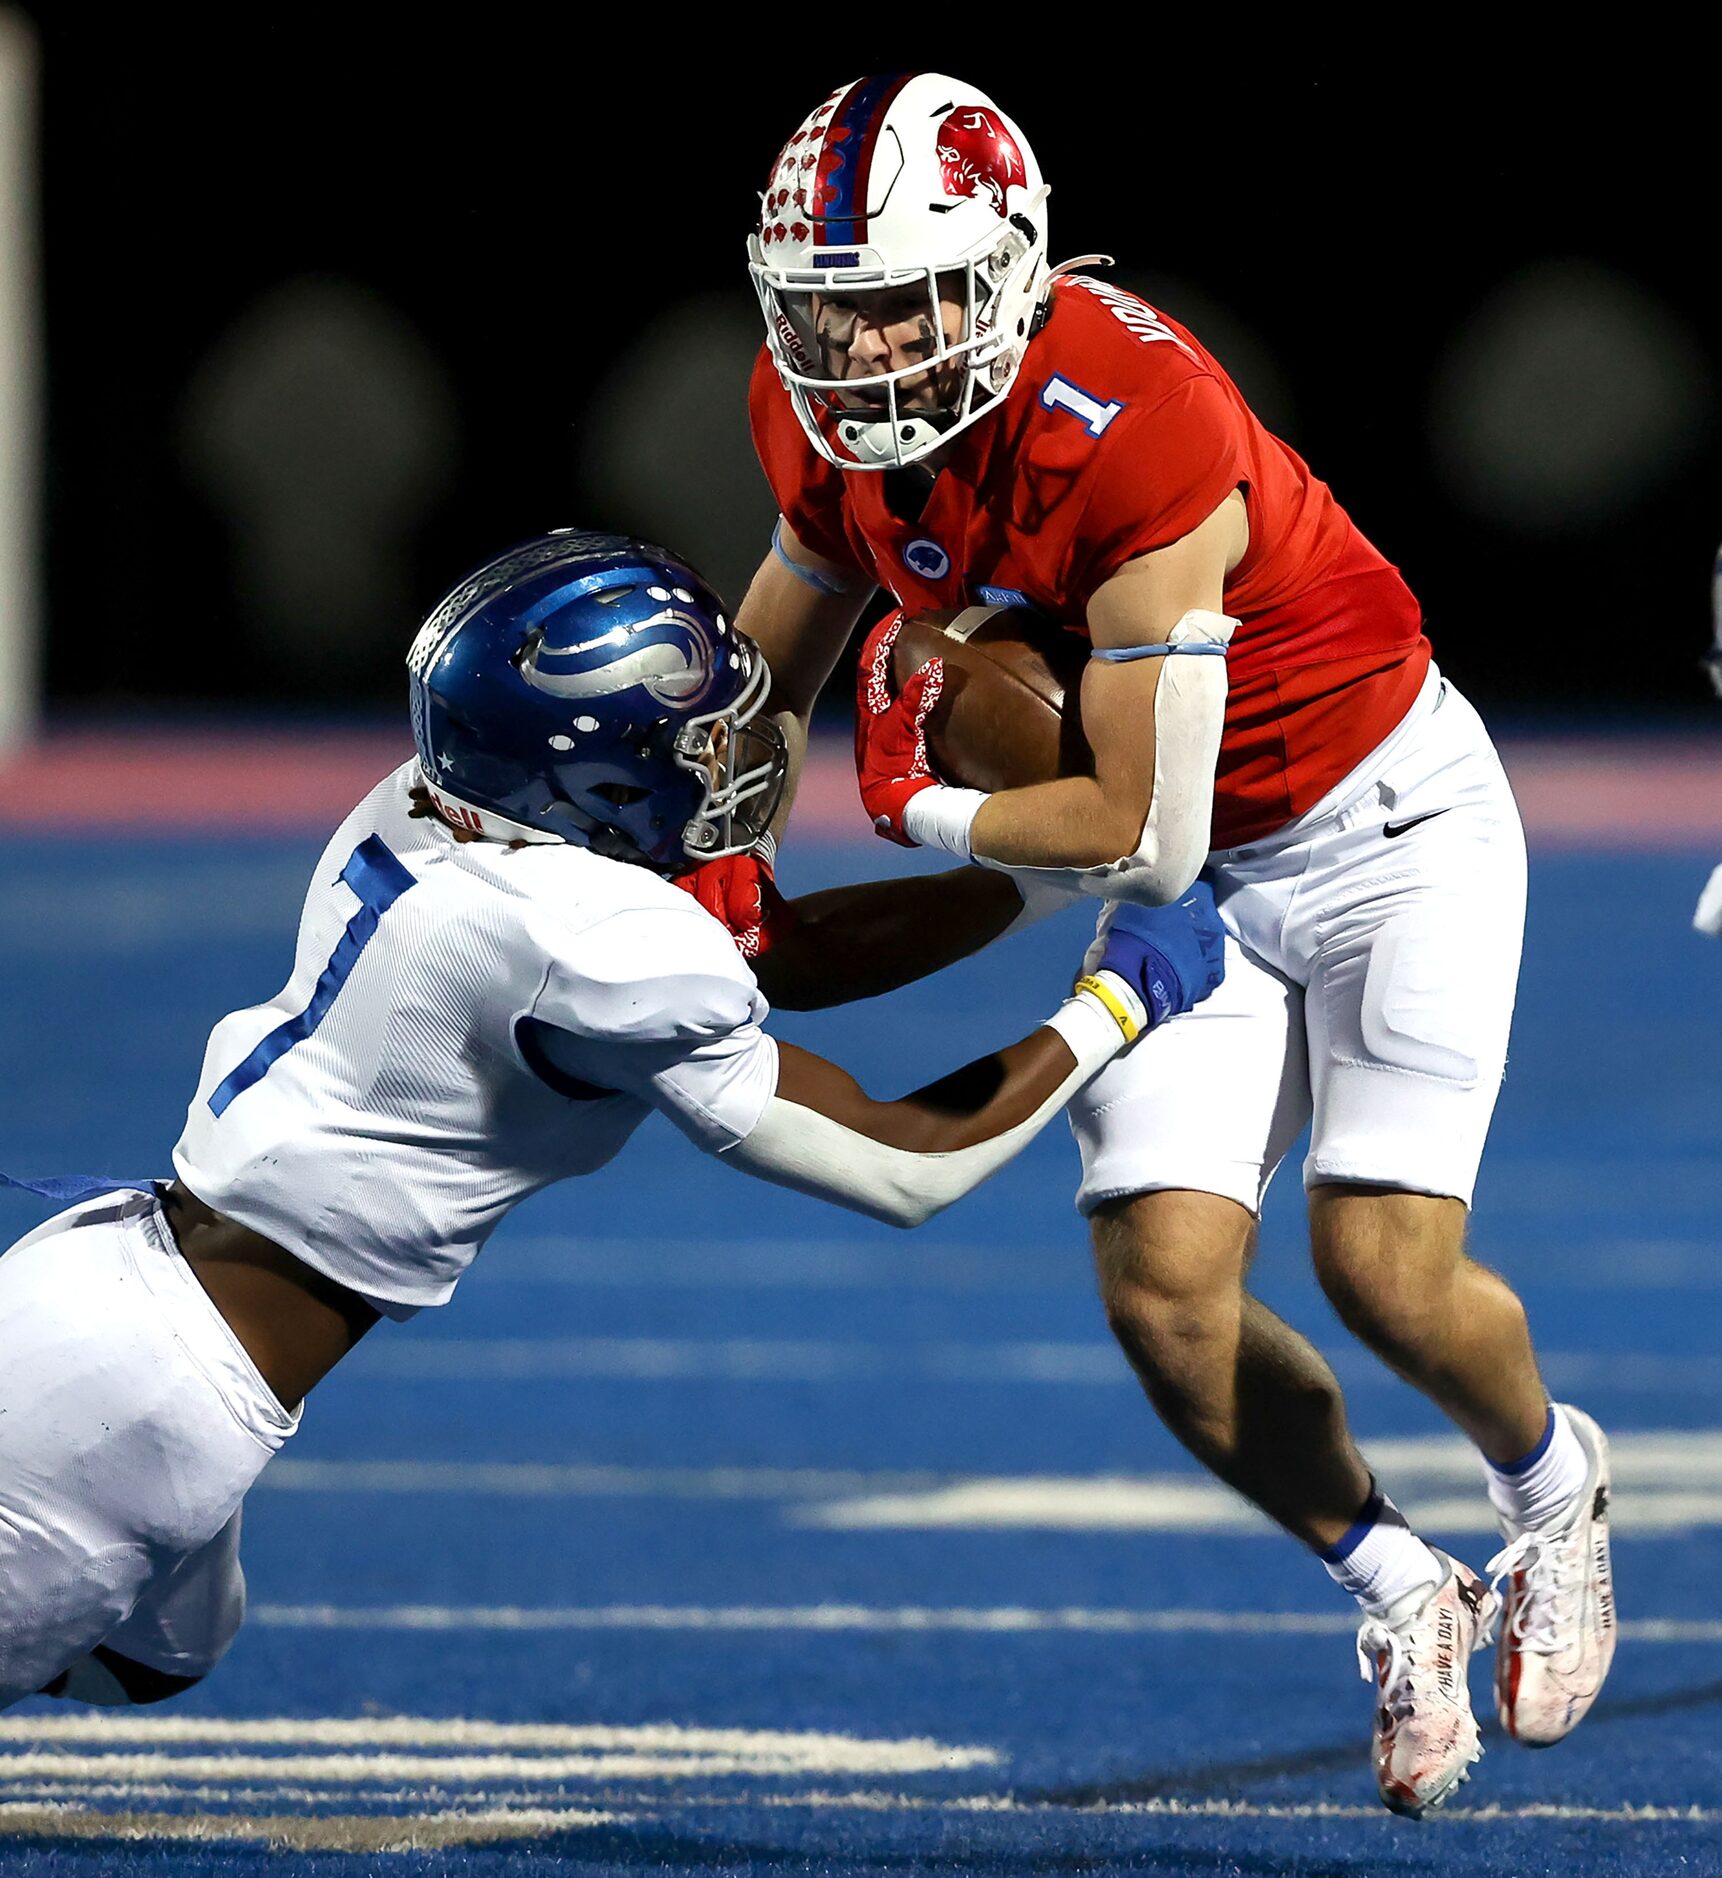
1001 721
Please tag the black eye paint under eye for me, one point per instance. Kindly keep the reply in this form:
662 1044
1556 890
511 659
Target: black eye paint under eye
835 328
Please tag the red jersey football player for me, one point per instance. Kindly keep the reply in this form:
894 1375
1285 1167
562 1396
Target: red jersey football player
941 414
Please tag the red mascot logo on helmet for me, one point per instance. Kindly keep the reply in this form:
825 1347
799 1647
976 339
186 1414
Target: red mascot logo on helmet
978 156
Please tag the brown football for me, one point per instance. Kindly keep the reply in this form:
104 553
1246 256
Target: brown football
1001 722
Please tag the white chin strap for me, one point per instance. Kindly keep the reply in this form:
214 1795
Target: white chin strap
881 444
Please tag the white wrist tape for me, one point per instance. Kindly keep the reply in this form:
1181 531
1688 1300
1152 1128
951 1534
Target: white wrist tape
1094 1030
794 1146
941 817
1107 991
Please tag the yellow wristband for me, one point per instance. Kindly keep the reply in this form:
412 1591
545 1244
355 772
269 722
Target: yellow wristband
1113 1004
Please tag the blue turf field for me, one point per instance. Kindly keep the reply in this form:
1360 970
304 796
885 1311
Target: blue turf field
751 1538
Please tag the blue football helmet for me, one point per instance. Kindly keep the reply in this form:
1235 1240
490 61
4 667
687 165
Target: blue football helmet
588 688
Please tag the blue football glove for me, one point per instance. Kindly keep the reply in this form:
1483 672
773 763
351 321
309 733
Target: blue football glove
1171 956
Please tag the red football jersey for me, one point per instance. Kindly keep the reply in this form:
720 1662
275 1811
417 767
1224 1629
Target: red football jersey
1120 435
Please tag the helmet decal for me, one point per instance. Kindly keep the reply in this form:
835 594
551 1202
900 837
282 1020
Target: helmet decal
673 664
978 157
785 204
823 177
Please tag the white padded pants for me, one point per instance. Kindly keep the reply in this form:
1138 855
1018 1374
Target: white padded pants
132 1423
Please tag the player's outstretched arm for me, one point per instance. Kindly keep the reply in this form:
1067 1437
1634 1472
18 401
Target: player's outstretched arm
904 1160
1153 707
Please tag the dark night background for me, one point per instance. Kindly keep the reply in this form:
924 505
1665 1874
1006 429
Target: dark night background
334 311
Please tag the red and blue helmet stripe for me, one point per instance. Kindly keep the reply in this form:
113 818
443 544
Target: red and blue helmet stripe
846 160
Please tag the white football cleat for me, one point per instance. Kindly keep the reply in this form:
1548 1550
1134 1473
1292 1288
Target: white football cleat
1418 1654
1558 1622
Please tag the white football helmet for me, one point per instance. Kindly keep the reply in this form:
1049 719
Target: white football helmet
892 183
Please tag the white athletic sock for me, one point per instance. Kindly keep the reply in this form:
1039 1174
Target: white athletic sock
1539 1488
1380 1560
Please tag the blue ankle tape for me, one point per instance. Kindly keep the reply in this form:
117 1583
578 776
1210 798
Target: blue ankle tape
1359 1530
1536 1454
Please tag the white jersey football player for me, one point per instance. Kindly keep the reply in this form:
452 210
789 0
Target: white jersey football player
495 982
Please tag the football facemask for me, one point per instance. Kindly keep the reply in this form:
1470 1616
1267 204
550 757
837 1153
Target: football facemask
742 761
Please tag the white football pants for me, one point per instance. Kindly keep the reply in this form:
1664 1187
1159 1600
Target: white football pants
1371 965
131 1424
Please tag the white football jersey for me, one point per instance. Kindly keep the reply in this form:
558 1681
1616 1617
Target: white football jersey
465 1023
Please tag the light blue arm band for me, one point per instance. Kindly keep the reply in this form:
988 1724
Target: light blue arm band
821 583
1121 655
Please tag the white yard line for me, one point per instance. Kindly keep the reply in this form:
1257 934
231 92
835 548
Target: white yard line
1658 1459
453 1826
923 1619
301 1832
63 1773
1172 1505
1170 1808
1666 1481
776 1264
1213 1809
439 1770
533 1480
663 1745
116 1725
1087 1362
735 1359
567 1261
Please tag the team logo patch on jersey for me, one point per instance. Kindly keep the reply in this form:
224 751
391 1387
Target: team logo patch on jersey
978 157
926 558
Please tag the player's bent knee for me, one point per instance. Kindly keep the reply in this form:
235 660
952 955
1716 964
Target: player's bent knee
105 1679
1373 1302
1367 1240
1173 1243
1170 1268
1392 1288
